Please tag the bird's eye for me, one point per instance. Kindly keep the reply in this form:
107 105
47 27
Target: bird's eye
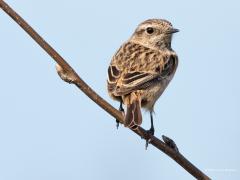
150 30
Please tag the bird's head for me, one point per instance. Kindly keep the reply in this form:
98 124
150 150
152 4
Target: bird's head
154 33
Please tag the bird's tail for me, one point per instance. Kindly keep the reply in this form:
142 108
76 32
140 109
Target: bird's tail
133 117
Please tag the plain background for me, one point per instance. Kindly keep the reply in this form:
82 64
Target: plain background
50 130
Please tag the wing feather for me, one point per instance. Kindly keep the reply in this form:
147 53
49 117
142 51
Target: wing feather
113 74
136 80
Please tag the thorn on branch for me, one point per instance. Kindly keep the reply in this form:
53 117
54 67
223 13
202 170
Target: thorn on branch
170 143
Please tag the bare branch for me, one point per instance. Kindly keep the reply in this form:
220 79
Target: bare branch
169 147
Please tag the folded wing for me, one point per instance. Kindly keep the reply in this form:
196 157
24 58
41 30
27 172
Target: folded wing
124 83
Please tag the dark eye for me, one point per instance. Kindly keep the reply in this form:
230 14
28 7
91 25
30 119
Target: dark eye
150 30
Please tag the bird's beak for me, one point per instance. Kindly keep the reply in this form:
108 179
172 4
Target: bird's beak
173 30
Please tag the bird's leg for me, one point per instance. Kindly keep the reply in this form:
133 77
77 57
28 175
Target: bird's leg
150 131
120 109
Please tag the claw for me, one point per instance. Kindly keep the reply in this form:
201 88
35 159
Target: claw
117 123
148 140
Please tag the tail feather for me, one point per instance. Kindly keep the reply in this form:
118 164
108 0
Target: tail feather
133 117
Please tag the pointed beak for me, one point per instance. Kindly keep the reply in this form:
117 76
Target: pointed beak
173 30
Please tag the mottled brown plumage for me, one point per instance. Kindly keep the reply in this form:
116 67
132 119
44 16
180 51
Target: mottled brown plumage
142 68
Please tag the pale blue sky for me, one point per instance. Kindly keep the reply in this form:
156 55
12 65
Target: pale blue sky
50 130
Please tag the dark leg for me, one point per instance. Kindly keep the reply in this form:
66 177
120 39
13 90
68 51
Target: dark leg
120 109
151 130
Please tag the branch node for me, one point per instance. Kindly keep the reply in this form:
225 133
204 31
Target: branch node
66 76
170 143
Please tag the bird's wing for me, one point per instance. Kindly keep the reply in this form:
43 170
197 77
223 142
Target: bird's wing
120 84
138 80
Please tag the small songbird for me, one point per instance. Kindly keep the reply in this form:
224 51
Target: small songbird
141 70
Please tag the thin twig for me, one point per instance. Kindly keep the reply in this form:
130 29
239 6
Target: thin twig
171 152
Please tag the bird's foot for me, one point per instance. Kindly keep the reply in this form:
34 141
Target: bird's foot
150 133
170 143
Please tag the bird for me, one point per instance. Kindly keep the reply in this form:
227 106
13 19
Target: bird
141 69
